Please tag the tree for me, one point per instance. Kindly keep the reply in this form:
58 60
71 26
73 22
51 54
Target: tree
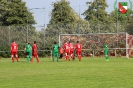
97 16
129 26
121 21
96 11
62 13
15 12
64 20
64 17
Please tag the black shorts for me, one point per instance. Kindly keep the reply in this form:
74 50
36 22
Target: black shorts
61 55
27 53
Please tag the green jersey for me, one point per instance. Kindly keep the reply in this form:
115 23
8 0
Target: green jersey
105 47
28 47
55 47
106 52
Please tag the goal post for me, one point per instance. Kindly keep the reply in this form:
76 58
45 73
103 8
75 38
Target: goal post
120 44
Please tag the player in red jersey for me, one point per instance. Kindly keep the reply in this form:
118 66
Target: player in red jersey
71 50
35 52
14 50
61 52
66 50
79 50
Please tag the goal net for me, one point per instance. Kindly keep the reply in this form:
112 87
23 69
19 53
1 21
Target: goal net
120 44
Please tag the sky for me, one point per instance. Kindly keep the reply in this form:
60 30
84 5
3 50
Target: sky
42 16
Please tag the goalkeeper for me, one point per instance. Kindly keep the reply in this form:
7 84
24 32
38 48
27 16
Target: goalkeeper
106 52
55 52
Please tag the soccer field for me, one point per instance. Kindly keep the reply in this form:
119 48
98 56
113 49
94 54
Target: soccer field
89 73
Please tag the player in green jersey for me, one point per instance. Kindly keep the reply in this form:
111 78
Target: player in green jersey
106 52
55 52
28 50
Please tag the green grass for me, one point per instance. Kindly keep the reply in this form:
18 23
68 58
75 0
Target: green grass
89 73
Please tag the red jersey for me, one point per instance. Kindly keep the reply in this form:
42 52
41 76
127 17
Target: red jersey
61 50
14 47
78 47
66 47
34 48
71 45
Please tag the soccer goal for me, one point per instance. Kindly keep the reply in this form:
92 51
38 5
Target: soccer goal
120 44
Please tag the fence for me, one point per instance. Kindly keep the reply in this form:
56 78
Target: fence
46 37
20 34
